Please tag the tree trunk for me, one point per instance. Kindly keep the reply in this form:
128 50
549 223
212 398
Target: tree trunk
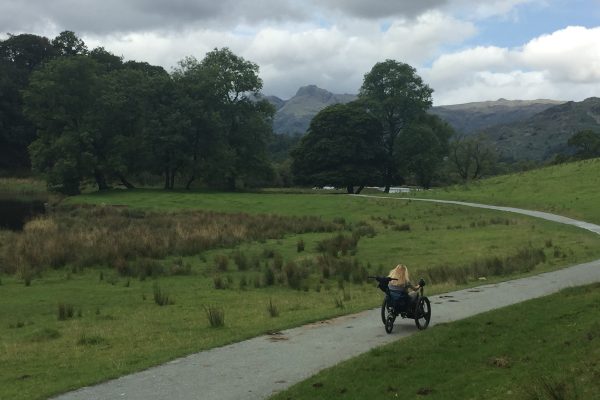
189 182
360 188
172 179
125 182
100 180
167 174
350 189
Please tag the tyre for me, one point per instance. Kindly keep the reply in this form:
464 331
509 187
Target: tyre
385 311
422 313
389 323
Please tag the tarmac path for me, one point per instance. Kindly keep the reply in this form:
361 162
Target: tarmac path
262 366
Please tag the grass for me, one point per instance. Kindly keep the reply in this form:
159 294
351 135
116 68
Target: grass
542 349
100 259
566 189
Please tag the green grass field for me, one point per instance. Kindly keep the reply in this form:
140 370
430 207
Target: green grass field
103 265
566 189
546 348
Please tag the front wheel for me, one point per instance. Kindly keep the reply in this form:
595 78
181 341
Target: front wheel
422 313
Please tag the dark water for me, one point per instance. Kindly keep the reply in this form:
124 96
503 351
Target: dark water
14 214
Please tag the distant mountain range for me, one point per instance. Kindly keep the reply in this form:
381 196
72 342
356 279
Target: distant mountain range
520 129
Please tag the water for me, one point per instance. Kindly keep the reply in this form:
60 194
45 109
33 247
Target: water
14 213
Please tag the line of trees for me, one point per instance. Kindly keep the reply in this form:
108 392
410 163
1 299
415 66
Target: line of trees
87 116
379 139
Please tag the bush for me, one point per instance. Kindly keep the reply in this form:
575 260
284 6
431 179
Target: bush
65 311
272 309
216 316
161 298
222 262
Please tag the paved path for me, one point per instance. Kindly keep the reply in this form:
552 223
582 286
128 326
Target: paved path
259 367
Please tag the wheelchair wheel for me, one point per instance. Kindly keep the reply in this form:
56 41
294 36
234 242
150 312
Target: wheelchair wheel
422 313
389 323
385 311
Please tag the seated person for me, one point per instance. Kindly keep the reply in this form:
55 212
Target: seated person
402 282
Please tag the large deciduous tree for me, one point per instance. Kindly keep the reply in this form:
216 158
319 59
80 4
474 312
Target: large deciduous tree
422 146
394 93
343 148
19 56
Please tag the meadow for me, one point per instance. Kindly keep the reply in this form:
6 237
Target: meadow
566 189
110 283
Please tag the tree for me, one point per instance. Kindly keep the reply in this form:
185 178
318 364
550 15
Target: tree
395 95
68 44
422 146
60 100
343 148
19 56
472 157
233 85
587 143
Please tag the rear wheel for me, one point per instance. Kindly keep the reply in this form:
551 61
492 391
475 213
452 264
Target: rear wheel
422 313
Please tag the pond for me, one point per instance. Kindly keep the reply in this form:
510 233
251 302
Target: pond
14 213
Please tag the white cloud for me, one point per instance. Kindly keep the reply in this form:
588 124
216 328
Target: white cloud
564 65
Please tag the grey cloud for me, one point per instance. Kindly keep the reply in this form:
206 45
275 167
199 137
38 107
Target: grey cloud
374 9
102 17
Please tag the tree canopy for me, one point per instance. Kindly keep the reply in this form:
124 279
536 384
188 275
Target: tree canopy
394 94
342 148
101 120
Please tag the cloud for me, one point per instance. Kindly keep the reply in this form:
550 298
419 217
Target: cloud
378 9
564 65
103 17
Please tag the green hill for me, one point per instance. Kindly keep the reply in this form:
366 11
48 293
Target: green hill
566 189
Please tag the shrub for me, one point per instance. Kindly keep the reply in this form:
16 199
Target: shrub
337 245
219 283
222 262
216 316
241 260
269 277
65 311
86 340
272 309
161 298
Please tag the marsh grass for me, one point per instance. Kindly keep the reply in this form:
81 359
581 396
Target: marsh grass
272 309
215 316
522 261
127 239
160 297
65 311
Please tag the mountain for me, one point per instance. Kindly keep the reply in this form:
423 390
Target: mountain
295 114
545 134
474 117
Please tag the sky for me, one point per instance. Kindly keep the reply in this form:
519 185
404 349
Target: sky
464 50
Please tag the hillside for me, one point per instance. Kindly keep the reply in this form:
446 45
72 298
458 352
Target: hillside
567 189
295 114
545 134
473 117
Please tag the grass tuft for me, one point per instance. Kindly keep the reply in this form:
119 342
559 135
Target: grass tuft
216 316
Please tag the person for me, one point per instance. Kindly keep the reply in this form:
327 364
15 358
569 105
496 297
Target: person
402 282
